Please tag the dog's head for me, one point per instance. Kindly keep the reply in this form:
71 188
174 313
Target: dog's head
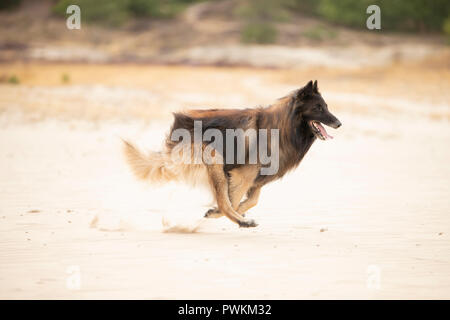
309 106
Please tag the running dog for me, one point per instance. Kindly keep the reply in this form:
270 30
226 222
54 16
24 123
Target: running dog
236 185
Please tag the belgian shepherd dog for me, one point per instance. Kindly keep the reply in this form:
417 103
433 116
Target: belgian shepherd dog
236 185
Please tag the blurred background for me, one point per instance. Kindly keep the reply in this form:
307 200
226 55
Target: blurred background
186 52
375 195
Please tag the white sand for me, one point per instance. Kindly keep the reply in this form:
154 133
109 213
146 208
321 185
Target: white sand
366 215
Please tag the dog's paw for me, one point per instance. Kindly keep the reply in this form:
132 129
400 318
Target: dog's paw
213 213
250 223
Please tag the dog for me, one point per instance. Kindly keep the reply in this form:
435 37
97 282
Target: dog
297 118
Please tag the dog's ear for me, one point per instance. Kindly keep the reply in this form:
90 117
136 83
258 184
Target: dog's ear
315 87
306 91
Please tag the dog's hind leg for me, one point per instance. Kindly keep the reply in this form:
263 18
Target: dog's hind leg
251 201
236 190
241 208
220 187
239 182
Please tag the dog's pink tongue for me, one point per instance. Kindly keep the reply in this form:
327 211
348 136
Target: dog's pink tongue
324 132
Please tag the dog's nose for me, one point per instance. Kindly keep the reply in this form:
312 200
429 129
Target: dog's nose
337 124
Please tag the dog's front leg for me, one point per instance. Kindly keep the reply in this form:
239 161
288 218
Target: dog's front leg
219 185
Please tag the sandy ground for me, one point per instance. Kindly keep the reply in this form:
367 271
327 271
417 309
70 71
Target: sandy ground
366 215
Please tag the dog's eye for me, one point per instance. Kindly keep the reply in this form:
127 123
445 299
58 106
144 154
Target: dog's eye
319 107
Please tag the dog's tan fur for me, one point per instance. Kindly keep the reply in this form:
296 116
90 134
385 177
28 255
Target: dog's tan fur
227 191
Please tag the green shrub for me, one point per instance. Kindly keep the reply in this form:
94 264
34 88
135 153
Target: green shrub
116 12
143 7
412 15
9 4
304 6
320 33
157 8
446 26
259 17
348 12
259 32
446 29
109 12
13 80
262 11
65 78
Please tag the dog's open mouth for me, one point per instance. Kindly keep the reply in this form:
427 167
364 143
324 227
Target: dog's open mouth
319 130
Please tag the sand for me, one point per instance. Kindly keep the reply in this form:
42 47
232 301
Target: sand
366 215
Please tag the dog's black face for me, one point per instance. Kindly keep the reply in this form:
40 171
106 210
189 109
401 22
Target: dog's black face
310 107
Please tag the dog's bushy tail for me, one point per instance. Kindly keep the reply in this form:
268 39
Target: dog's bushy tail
154 166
